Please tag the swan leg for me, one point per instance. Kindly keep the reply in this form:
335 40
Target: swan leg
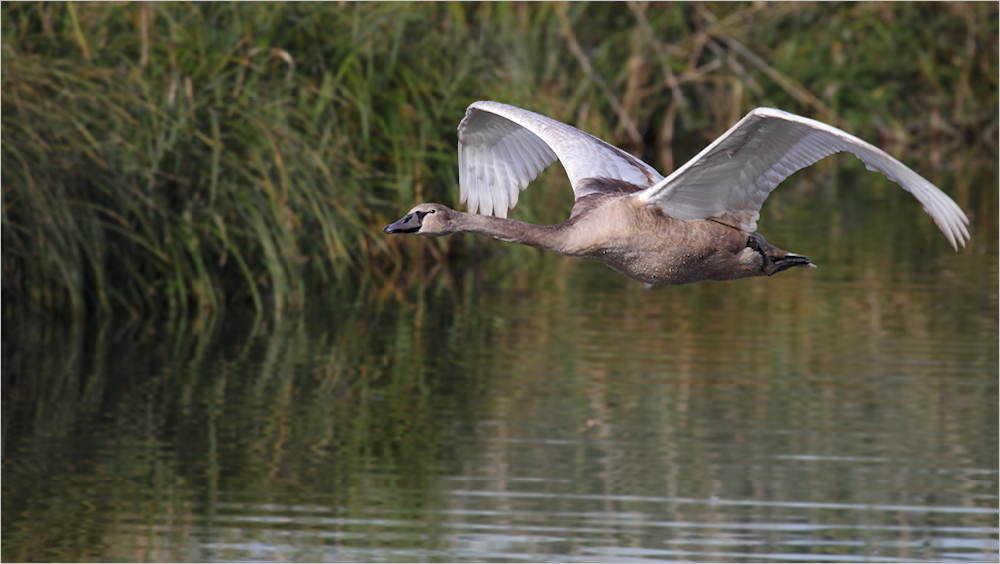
774 259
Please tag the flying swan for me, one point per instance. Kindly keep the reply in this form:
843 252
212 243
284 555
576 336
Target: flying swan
698 223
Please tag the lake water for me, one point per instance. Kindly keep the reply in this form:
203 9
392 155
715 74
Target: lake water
532 407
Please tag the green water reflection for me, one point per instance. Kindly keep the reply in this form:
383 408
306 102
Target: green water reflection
533 407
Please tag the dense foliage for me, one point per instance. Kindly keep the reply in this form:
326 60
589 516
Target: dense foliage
163 157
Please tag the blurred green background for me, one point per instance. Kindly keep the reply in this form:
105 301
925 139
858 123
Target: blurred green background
161 159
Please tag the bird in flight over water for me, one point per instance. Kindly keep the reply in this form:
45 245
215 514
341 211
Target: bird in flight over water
698 223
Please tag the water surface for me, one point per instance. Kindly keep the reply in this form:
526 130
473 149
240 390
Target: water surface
531 407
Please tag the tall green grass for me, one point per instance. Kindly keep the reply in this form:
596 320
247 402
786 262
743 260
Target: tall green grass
176 157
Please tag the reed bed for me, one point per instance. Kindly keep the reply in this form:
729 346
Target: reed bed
178 157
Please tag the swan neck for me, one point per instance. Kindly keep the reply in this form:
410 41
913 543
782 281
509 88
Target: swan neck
547 237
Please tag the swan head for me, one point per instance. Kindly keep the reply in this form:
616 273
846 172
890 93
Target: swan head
433 220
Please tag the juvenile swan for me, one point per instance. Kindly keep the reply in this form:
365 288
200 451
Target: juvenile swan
699 223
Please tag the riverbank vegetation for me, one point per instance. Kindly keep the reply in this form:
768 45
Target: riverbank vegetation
163 158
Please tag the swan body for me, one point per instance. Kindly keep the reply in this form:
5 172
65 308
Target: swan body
698 223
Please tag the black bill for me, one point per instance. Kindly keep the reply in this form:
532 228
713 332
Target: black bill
409 224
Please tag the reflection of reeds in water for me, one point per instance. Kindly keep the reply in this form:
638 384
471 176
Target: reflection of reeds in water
182 156
641 385
144 434
167 429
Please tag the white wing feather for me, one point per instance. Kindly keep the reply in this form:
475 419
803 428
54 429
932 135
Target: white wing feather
733 176
502 148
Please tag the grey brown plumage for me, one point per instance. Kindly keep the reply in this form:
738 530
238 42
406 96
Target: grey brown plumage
696 224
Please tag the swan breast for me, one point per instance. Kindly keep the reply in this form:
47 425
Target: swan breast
640 241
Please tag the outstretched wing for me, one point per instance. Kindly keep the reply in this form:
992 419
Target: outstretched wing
502 148
733 176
